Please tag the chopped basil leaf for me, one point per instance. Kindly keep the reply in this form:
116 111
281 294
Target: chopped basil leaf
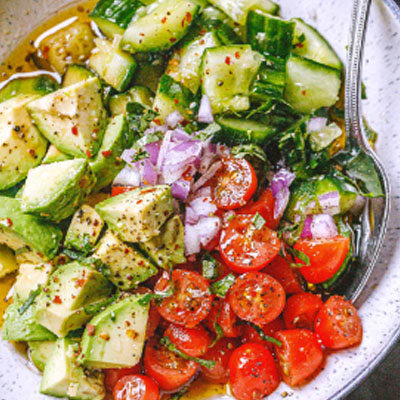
208 132
139 117
140 155
165 341
300 255
178 395
158 297
29 301
251 150
258 221
221 287
210 267
262 334
96 308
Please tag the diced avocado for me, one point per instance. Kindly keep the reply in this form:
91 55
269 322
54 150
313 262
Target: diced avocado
21 327
39 353
84 230
72 118
119 334
71 288
30 276
108 162
55 191
76 73
137 94
55 155
63 377
22 147
8 263
167 248
138 215
128 266
23 232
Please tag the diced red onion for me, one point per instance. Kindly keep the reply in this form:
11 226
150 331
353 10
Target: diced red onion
165 144
180 189
180 135
209 155
280 189
330 202
154 150
128 154
129 176
149 174
199 207
207 175
200 234
205 111
306 233
323 227
316 124
155 129
174 119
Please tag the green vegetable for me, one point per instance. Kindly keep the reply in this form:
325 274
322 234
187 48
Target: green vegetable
258 221
249 150
30 300
221 287
210 267
263 335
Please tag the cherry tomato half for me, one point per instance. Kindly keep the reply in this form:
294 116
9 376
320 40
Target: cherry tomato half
113 375
253 372
220 353
245 247
169 370
338 324
191 301
233 184
136 387
326 257
257 298
301 309
300 355
192 341
264 206
116 190
152 322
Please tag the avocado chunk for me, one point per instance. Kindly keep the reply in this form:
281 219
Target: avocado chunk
84 230
8 263
22 326
138 215
30 276
72 287
63 377
136 94
55 155
167 248
22 147
108 162
72 118
76 73
23 232
119 335
128 266
39 353
56 190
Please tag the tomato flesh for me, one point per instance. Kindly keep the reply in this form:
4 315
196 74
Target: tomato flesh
301 309
250 335
113 375
338 324
257 298
299 357
253 372
191 300
326 257
245 247
136 387
152 322
233 184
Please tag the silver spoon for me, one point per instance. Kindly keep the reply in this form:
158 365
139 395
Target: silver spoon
376 212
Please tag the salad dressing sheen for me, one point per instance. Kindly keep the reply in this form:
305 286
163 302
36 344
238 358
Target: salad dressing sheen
20 61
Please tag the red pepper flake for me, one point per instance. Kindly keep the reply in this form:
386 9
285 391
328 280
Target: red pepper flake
203 32
126 251
89 154
228 60
299 45
9 222
97 130
202 41
237 55
304 93
57 300
141 34
139 201
148 190
32 152
164 20
80 282
172 40
176 101
141 262
189 17
90 329
74 130
157 121
46 50
106 153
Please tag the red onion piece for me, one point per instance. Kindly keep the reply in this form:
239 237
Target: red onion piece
330 202
174 119
149 174
316 124
280 189
306 233
200 234
180 189
207 175
129 176
154 150
205 111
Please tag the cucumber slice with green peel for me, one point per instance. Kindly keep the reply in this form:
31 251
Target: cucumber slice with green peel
76 73
113 65
38 85
309 43
113 16
161 28
310 85
137 94
227 74
238 9
237 131
40 352
184 65
55 155
269 35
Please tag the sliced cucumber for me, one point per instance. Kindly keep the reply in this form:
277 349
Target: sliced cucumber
238 9
55 155
184 66
39 85
76 73
269 35
137 94
310 85
113 16
112 64
308 43
227 73
161 28
237 131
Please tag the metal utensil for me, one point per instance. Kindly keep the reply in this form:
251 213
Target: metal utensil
376 213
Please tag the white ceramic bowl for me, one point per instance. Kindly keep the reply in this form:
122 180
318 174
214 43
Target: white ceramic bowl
380 302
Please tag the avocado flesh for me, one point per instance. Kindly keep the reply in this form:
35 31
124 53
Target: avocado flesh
138 215
22 147
8 263
71 288
55 191
63 377
39 352
72 118
128 266
119 335
54 155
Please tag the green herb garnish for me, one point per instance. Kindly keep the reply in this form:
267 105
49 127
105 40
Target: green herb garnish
29 301
221 287
258 221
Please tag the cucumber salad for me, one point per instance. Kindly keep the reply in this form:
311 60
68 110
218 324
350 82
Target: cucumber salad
180 203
